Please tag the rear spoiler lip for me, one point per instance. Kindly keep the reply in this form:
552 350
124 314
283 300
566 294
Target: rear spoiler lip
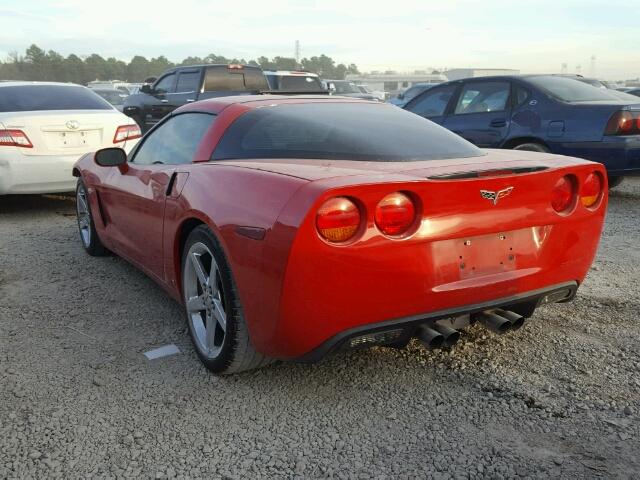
479 173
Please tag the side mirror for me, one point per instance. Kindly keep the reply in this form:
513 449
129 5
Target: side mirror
111 157
146 88
400 96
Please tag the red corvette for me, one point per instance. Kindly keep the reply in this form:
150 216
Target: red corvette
292 227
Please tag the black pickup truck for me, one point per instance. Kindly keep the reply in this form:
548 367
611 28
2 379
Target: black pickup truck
182 85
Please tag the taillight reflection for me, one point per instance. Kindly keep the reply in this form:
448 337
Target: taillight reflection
14 138
395 214
623 122
338 219
127 132
591 189
563 194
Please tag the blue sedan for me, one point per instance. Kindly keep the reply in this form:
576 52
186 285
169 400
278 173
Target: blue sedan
542 113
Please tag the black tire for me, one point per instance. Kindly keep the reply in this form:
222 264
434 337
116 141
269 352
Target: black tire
614 181
532 147
86 227
236 352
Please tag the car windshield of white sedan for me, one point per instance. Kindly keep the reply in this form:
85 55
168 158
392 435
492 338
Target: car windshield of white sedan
32 98
571 90
339 131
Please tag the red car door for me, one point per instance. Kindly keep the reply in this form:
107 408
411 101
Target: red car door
134 199
134 196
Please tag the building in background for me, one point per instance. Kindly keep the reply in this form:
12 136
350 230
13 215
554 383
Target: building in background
459 73
394 82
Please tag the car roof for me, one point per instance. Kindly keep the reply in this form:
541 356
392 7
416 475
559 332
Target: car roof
217 104
207 65
21 83
290 72
521 76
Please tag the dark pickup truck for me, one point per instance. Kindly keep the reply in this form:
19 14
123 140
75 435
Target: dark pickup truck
182 85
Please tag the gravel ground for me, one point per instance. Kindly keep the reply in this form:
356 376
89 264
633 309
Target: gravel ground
559 398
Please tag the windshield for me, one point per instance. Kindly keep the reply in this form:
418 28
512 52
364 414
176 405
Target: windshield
570 90
339 131
346 87
31 98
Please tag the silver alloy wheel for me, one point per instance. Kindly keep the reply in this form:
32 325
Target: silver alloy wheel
84 217
204 300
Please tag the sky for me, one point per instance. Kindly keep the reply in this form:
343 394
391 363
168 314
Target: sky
531 36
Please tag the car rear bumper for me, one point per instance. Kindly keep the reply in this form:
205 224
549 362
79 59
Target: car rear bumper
29 174
402 329
619 154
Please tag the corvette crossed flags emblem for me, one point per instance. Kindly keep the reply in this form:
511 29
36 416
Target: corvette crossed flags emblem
495 196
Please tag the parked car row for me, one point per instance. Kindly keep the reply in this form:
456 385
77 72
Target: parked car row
251 210
543 113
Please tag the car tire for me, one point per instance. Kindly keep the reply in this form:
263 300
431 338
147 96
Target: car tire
532 147
214 314
86 226
614 181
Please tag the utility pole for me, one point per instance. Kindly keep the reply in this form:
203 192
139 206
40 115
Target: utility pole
296 52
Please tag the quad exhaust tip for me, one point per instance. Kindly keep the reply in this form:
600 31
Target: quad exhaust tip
500 321
516 320
438 336
430 337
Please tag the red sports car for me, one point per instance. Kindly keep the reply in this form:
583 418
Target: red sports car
292 227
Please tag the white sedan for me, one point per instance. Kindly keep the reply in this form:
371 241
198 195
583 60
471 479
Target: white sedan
46 127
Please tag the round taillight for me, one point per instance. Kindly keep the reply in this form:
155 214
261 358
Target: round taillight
562 194
338 219
395 214
591 189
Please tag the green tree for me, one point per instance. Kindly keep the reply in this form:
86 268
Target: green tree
36 67
158 65
138 69
95 68
73 69
56 66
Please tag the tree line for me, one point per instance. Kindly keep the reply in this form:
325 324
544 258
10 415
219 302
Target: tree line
40 65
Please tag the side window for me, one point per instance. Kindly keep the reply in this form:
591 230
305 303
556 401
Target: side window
522 94
479 97
433 103
166 84
188 82
175 141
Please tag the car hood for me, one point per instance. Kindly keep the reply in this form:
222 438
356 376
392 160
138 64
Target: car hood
312 170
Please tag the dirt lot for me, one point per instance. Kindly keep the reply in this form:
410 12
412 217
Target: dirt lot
559 398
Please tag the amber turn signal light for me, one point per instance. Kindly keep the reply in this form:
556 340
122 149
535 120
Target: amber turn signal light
338 219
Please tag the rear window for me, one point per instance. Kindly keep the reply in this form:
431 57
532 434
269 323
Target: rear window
224 79
570 90
339 131
31 98
297 83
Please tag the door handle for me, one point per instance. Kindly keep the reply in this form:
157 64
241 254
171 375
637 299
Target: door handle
164 100
498 122
191 100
